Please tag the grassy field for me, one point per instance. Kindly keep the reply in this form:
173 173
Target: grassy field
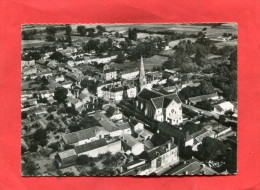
149 63
228 43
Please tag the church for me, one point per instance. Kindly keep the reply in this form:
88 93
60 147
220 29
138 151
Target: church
155 105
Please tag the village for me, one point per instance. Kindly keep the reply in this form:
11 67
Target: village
107 100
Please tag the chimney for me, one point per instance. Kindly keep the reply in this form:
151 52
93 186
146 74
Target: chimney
169 146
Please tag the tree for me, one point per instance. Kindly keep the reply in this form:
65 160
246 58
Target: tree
123 45
206 87
51 30
60 94
212 149
132 34
29 168
33 147
50 38
40 134
59 57
81 30
68 30
91 45
73 127
24 115
54 146
32 55
120 58
50 126
84 160
200 34
205 105
101 28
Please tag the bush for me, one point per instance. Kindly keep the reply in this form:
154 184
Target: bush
50 126
40 134
43 142
84 159
50 117
24 115
33 147
51 109
54 146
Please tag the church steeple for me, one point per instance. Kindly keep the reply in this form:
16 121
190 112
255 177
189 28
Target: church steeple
142 78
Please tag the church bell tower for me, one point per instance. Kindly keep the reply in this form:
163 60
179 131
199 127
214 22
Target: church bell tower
142 78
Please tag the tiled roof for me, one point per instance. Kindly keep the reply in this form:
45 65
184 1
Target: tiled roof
67 154
158 102
202 97
124 126
90 146
130 140
81 135
105 122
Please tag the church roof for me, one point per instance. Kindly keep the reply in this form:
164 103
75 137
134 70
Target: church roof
148 94
158 102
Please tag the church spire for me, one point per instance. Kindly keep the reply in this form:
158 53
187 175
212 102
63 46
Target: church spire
142 78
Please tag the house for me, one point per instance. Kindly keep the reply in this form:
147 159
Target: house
67 84
101 146
144 135
102 88
135 167
28 63
125 127
92 149
161 156
191 167
113 93
110 126
167 73
136 125
66 158
129 143
29 70
74 102
129 74
223 107
160 107
109 74
194 100
49 94
85 97
59 78
199 136
84 136
114 113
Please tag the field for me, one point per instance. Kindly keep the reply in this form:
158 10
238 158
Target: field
176 42
34 43
144 35
149 63
228 43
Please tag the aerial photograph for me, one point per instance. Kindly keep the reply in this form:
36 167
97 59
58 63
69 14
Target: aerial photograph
129 99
